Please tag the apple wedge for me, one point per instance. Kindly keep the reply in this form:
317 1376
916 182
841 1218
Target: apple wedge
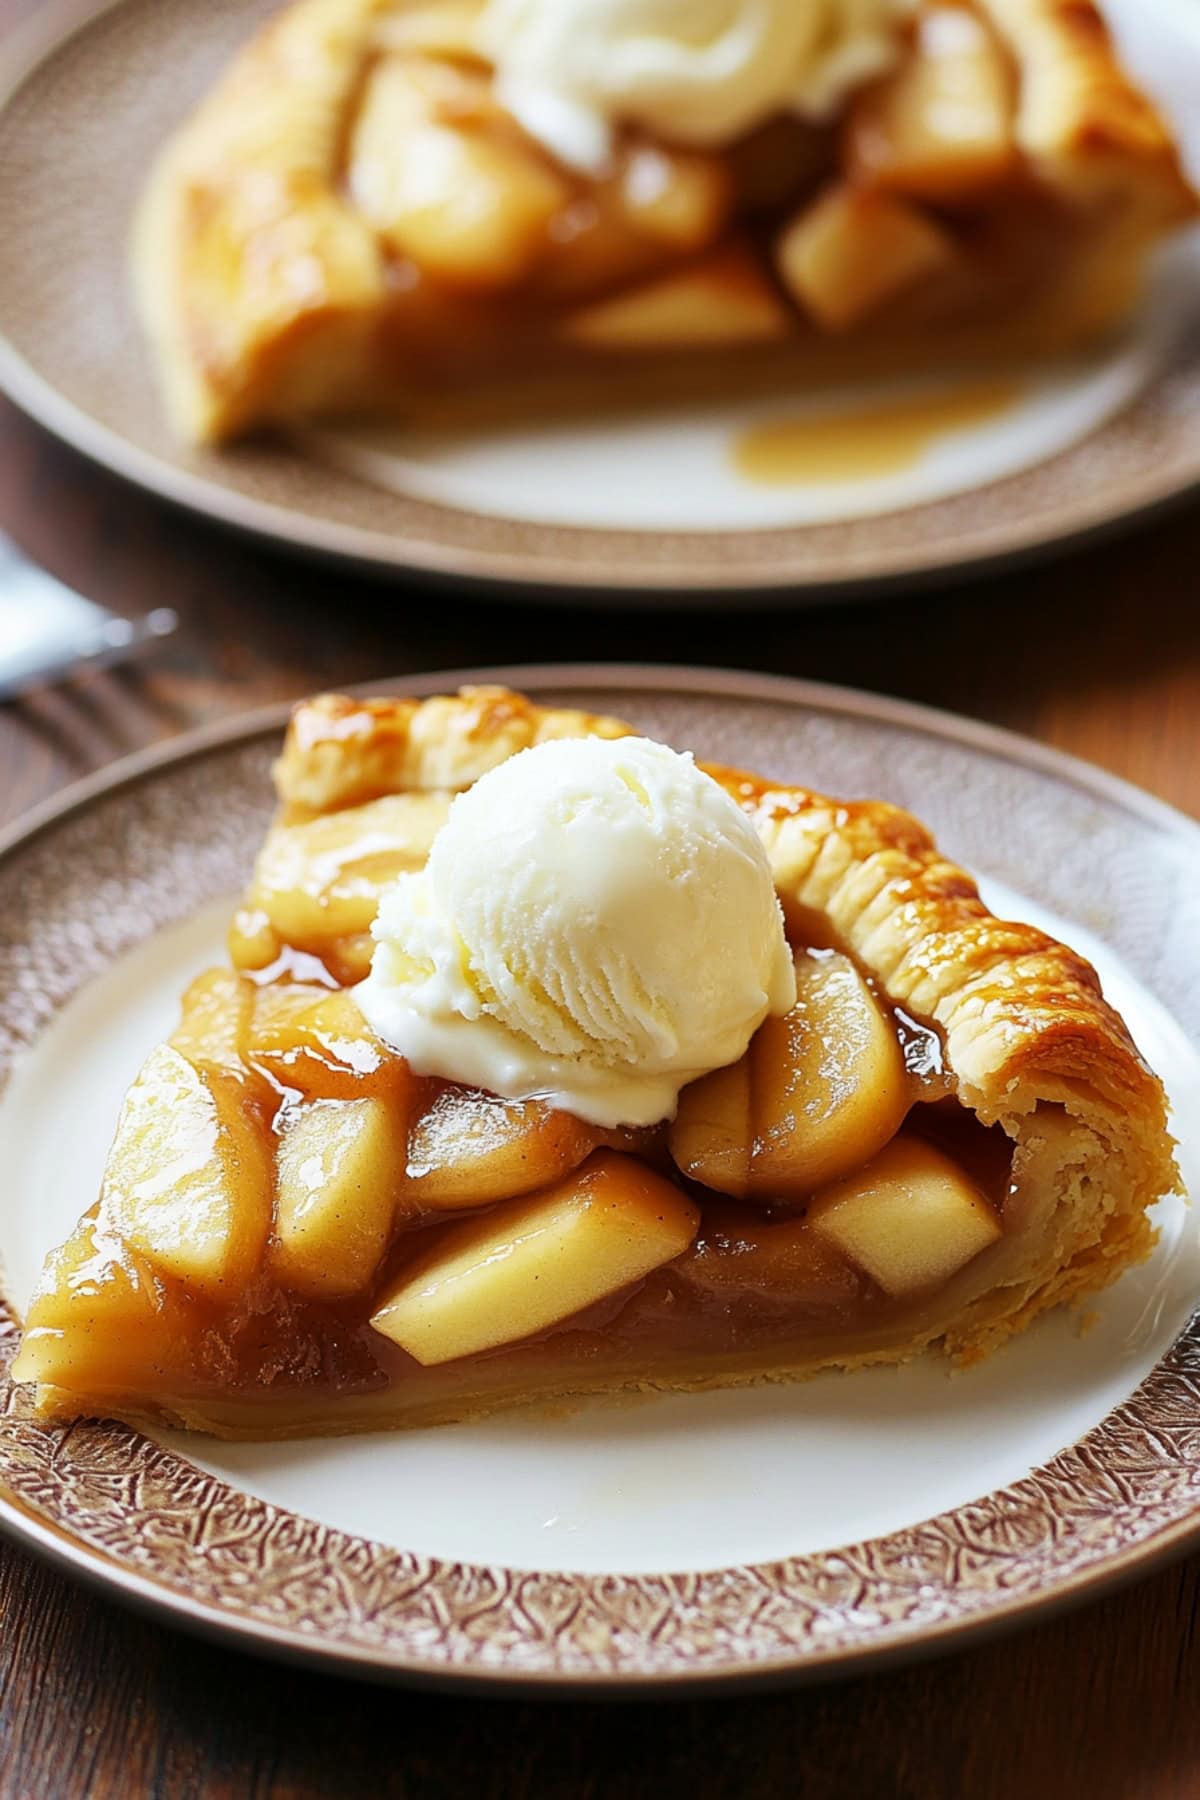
189 1179
911 1219
470 1149
828 1081
723 298
526 1266
317 882
98 1291
853 249
710 1135
941 126
819 1091
215 1022
318 1044
321 880
468 205
678 198
340 1172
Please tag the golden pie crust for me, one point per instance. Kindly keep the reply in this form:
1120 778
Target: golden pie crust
1032 1053
286 267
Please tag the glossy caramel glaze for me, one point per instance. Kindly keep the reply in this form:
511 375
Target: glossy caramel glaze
756 1279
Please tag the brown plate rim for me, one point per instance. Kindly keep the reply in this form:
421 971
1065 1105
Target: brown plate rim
1138 1555
572 565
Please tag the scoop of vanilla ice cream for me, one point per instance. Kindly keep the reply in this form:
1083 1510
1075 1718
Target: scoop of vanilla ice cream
596 925
697 72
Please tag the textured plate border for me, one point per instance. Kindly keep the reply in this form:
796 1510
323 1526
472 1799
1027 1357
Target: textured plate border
123 1512
1145 459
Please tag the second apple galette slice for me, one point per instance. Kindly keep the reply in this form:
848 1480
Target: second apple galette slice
384 203
549 1063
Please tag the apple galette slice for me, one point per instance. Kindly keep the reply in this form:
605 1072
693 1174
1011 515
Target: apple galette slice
386 202
769 1090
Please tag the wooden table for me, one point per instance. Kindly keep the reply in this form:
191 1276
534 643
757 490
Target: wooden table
1099 654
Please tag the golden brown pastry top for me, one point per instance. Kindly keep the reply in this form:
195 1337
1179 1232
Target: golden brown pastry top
1023 1017
341 751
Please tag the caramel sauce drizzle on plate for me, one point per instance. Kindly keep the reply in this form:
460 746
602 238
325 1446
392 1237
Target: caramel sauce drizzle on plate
860 444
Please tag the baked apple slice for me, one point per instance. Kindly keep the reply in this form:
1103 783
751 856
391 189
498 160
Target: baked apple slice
317 882
188 1183
340 1181
819 1091
724 298
855 249
444 177
530 1264
943 125
307 1040
467 1149
911 1218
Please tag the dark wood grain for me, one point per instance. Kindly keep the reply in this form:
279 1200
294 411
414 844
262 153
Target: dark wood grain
1099 654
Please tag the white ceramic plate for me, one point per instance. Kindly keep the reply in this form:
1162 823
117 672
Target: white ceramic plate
781 1529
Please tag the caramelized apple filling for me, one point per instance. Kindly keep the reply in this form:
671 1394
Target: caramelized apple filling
898 214
280 1177
901 217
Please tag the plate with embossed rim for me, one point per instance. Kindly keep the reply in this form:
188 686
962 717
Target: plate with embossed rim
587 509
772 1533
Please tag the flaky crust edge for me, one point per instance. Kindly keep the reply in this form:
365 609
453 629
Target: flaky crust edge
1080 119
340 751
1032 1042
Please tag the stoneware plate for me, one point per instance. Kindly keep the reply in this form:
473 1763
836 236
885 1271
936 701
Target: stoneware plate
773 1533
595 508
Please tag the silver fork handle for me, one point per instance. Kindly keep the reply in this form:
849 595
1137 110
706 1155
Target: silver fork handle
47 631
